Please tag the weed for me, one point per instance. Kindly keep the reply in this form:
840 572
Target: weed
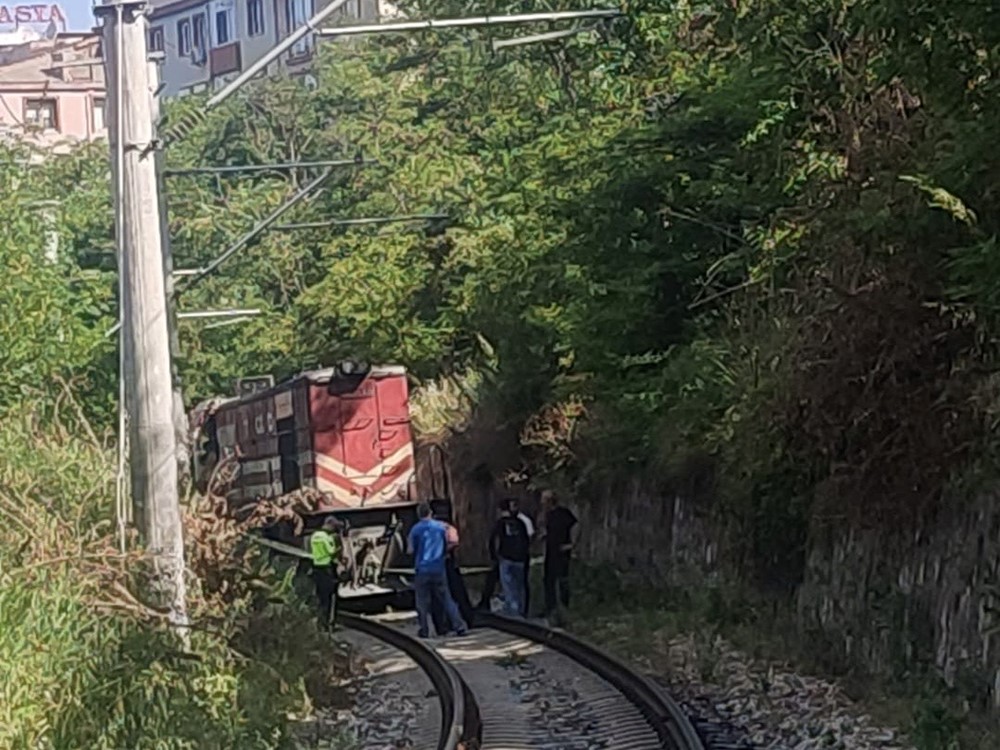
935 726
511 660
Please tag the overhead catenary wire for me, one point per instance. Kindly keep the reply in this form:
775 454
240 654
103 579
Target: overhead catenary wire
276 167
360 222
434 24
226 322
259 227
234 313
194 276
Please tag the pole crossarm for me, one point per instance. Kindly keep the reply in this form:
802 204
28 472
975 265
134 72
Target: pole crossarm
434 24
108 8
360 222
233 313
226 322
548 36
276 167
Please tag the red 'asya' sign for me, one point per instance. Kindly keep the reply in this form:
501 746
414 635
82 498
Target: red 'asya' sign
31 14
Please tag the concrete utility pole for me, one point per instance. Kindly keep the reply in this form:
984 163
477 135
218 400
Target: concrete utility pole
146 334
181 435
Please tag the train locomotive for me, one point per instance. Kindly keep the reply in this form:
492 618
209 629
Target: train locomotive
340 434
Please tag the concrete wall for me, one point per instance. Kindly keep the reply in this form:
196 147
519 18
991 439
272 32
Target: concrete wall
179 73
255 47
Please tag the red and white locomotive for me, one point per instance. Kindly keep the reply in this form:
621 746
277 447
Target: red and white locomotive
343 431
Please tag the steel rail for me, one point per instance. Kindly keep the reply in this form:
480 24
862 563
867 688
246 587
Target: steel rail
662 712
461 725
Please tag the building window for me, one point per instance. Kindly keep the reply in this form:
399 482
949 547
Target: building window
199 34
156 39
184 36
297 12
255 17
41 113
223 26
99 123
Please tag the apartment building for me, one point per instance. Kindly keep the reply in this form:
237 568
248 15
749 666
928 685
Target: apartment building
207 43
52 91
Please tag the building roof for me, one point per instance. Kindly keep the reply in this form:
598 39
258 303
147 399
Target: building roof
47 63
163 8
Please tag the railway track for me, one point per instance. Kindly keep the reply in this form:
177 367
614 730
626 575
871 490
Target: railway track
461 726
517 685
661 722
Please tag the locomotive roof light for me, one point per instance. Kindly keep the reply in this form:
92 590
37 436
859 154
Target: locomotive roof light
350 367
347 376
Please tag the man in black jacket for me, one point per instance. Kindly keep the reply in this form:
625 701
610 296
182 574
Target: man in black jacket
509 505
510 546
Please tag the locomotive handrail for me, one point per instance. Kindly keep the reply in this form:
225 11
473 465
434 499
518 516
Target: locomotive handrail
289 549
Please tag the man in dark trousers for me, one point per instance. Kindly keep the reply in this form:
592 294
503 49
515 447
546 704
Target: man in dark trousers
560 536
456 584
429 544
490 585
326 548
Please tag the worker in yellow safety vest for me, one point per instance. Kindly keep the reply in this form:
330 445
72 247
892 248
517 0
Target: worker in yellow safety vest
327 550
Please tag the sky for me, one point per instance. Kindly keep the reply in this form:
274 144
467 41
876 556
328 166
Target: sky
78 13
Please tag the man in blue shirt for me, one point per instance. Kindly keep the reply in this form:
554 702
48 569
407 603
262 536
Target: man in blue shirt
429 543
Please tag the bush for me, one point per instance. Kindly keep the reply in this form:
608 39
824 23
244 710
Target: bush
83 664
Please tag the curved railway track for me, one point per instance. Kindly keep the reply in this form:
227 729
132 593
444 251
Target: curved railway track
516 685
461 726
663 724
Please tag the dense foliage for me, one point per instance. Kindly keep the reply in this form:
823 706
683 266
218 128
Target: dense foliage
759 232
754 231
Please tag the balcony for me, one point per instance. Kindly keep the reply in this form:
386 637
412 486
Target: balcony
225 59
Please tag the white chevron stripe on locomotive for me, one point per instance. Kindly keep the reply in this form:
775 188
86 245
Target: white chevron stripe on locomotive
369 477
354 500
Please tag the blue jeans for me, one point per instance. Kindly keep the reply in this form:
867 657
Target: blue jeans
428 588
512 583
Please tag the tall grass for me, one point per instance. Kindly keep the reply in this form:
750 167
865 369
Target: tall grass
83 664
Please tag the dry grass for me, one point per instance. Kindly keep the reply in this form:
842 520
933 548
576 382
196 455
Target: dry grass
84 664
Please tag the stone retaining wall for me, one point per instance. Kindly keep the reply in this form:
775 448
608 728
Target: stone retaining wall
882 598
